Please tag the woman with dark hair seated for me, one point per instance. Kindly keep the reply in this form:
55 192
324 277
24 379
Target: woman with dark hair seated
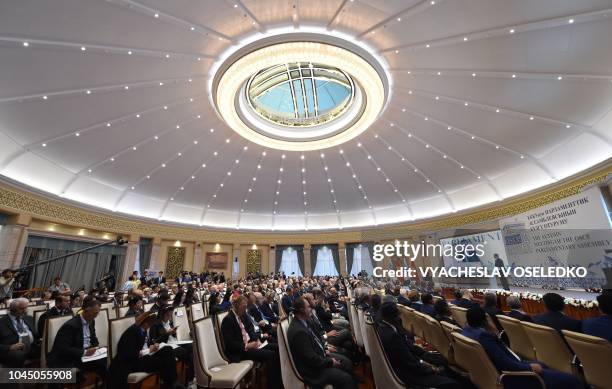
164 331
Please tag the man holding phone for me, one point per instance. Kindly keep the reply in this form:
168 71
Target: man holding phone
77 339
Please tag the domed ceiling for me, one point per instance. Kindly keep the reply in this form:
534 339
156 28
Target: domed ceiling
438 106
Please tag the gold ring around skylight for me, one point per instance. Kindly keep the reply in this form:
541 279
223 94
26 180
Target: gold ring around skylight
231 84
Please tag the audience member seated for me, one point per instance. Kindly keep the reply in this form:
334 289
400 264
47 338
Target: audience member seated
164 331
61 308
514 303
136 306
401 299
265 307
160 302
461 301
506 360
312 361
554 316
76 339
399 348
415 300
442 312
427 306
374 309
239 345
602 325
490 307
19 339
160 279
287 300
134 354
257 329
60 287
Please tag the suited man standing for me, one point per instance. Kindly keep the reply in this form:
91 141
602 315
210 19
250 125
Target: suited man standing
311 360
18 336
76 339
61 308
239 345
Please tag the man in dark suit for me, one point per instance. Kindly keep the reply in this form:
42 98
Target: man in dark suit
136 306
490 307
19 339
309 355
400 349
267 310
506 360
461 301
239 345
77 339
514 303
287 300
61 308
160 279
401 299
134 355
428 304
554 316
602 325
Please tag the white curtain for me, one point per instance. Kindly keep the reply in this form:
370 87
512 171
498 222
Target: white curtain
325 263
361 260
289 263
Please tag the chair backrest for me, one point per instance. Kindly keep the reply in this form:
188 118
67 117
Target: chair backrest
101 325
291 377
471 357
459 315
419 325
217 322
519 341
36 308
550 347
182 321
197 312
147 307
75 310
356 325
121 311
595 355
361 318
52 326
110 310
116 328
437 338
384 377
37 315
281 310
206 352
449 328
407 315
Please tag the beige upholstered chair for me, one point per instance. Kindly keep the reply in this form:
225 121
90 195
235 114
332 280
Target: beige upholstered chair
212 371
110 307
384 377
595 355
449 328
197 312
36 317
181 320
364 335
407 315
437 338
519 341
36 308
459 315
470 355
550 347
121 311
75 310
356 325
148 306
418 325
116 328
101 325
51 328
218 319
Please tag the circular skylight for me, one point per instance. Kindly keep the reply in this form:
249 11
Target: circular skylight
300 94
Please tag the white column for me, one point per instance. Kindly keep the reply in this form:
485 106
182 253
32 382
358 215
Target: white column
155 262
272 261
308 270
198 264
342 255
13 239
130 260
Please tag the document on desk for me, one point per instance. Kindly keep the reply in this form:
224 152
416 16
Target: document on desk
100 353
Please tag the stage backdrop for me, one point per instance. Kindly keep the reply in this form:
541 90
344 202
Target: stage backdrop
216 261
575 231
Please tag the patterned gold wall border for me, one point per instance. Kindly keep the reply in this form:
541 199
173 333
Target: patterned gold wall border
17 200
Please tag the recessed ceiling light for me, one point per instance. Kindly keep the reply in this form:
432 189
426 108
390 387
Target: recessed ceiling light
227 140
193 177
427 45
163 165
473 74
396 51
179 154
44 145
283 156
514 76
560 78
130 52
203 165
432 2
83 48
512 31
437 97
167 55
215 153
473 137
182 188
531 117
409 92
522 156
329 180
237 161
389 148
156 15
279 182
112 159
497 110
195 142
263 153
571 21
108 124
134 148
165 107
301 156
192 28
303 170
280 169
88 92
77 134
45 97
26 44
465 38
156 137
466 103
567 126
439 73
399 19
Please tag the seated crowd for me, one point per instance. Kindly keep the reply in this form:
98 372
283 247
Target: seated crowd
320 337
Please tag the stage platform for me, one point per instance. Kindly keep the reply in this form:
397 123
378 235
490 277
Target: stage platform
569 293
